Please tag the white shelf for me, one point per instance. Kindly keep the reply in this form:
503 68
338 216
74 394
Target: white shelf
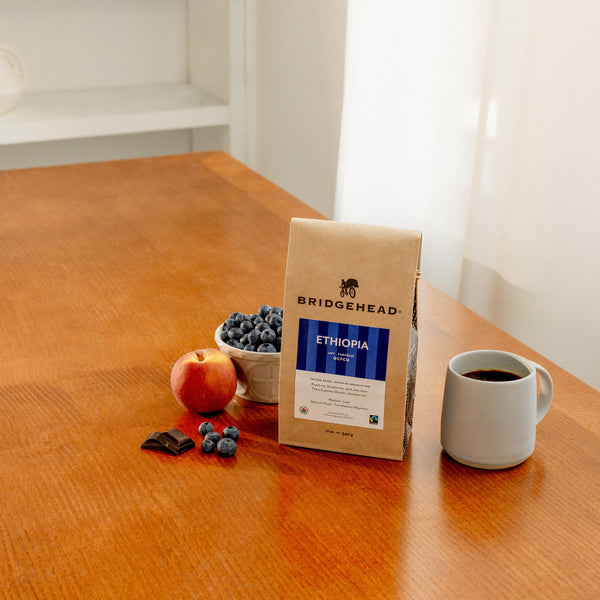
61 115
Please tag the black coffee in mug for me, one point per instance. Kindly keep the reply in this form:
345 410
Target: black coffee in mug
491 375
489 424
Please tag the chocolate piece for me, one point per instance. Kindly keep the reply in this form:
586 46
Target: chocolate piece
172 441
178 440
153 441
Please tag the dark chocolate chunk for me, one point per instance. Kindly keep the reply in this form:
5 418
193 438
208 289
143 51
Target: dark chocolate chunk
153 441
172 441
178 440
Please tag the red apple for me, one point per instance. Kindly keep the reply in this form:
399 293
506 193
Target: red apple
204 381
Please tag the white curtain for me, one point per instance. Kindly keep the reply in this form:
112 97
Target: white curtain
478 122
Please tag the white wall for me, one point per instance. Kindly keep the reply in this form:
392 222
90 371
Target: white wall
84 44
299 88
293 79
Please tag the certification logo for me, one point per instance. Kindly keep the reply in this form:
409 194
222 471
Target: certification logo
373 419
303 410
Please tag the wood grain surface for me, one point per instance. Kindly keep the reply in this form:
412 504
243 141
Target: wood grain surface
110 272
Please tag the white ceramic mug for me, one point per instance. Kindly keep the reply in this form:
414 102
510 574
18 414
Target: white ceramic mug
491 424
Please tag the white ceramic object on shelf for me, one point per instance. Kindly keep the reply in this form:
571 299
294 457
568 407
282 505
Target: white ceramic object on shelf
12 78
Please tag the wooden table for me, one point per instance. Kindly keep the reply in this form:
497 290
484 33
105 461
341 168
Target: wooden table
111 271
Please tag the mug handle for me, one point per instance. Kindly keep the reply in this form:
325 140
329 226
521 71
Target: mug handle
544 398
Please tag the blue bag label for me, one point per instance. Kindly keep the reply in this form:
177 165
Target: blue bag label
341 372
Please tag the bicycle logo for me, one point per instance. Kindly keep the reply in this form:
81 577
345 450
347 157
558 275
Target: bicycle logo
347 288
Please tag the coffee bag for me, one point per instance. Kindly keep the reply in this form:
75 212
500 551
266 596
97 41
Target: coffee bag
348 359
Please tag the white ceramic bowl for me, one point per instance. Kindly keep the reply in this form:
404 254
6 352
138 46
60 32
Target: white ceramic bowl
258 372
12 78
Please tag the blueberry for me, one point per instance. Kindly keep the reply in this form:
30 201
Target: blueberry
235 333
235 344
226 447
245 331
264 310
229 323
253 336
246 326
274 321
205 428
232 432
213 436
266 348
208 446
268 336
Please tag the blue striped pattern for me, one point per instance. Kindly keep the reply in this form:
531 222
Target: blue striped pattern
329 358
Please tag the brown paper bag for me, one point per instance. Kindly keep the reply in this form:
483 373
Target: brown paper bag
348 358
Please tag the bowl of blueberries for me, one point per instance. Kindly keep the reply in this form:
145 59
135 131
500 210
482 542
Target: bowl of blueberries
253 342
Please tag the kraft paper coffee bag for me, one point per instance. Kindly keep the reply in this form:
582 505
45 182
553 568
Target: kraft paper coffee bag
348 358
